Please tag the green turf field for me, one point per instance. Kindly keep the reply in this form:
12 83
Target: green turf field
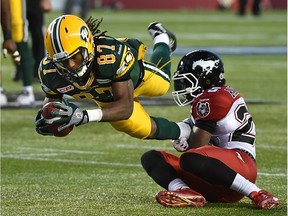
96 170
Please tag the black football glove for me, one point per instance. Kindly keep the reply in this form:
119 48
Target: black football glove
41 127
70 115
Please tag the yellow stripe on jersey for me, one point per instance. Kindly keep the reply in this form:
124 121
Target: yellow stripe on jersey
50 92
88 83
141 51
49 71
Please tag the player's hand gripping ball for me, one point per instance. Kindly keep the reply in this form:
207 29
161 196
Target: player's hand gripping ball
49 118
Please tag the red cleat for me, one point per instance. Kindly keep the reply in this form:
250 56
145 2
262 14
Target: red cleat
180 198
264 200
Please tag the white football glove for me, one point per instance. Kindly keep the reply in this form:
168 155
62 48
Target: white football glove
181 144
189 121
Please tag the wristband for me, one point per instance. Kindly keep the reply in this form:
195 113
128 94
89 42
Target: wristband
185 130
7 35
95 115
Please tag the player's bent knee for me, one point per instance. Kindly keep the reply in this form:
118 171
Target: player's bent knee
150 158
192 162
207 168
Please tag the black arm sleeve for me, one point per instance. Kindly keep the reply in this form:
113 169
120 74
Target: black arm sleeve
206 125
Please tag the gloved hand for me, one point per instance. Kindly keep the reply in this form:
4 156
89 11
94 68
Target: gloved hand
70 115
41 127
181 144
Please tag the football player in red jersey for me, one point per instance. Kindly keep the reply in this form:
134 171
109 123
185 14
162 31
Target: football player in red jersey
84 63
218 163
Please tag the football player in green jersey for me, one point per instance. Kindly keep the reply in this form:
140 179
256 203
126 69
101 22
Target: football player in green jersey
84 63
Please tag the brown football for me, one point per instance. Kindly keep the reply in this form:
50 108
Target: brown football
46 113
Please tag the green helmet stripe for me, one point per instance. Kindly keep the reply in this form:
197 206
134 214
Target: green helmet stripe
55 36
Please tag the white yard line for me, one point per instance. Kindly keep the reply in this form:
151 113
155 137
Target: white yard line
62 150
37 158
67 160
131 146
267 146
272 174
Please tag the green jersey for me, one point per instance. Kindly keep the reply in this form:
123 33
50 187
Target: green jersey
115 60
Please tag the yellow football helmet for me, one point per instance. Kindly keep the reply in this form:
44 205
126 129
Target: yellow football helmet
66 36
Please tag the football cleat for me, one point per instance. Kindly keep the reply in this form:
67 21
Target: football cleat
180 198
157 28
264 200
3 98
26 98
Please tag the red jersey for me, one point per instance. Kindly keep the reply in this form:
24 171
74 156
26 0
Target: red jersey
223 112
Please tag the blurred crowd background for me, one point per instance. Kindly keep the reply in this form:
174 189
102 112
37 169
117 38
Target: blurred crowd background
32 53
171 4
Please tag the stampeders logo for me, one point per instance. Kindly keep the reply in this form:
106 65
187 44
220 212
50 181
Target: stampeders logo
206 65
65 89
203 109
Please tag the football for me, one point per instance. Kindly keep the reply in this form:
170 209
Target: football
46 113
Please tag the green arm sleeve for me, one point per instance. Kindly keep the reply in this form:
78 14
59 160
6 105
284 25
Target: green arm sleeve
166 129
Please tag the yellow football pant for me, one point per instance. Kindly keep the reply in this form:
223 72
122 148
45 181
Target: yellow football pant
19 21
139 123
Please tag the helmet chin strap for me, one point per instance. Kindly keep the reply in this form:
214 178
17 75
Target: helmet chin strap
82 71
85 85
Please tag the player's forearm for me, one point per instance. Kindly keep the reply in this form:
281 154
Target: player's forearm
6 19
199 137
112 112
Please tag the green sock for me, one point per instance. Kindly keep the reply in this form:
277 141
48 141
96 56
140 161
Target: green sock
166 129
161 57
27 63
